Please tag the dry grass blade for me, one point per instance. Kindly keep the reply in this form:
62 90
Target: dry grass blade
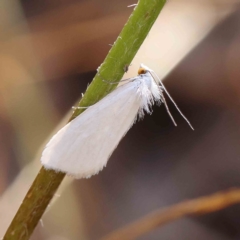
197 206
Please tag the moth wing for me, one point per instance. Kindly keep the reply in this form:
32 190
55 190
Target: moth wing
83 146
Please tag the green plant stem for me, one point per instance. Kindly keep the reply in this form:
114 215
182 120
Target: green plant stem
111 70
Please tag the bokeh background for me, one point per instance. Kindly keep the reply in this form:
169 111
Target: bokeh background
49 52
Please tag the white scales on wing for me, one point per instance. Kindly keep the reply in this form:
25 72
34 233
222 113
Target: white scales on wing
83 147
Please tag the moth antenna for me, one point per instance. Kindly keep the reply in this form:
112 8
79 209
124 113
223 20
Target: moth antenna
168 111
176 106
123 80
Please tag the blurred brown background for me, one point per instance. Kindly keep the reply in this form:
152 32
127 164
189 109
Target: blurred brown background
49 52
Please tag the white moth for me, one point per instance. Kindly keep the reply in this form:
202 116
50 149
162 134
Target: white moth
83 147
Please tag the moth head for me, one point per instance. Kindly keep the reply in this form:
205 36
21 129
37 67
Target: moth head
142 70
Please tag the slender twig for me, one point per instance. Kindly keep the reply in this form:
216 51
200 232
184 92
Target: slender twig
112 70
158 218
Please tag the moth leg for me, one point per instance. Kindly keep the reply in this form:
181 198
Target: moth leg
74 108
106 81
123 80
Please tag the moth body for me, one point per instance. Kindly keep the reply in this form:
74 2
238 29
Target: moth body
83 147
